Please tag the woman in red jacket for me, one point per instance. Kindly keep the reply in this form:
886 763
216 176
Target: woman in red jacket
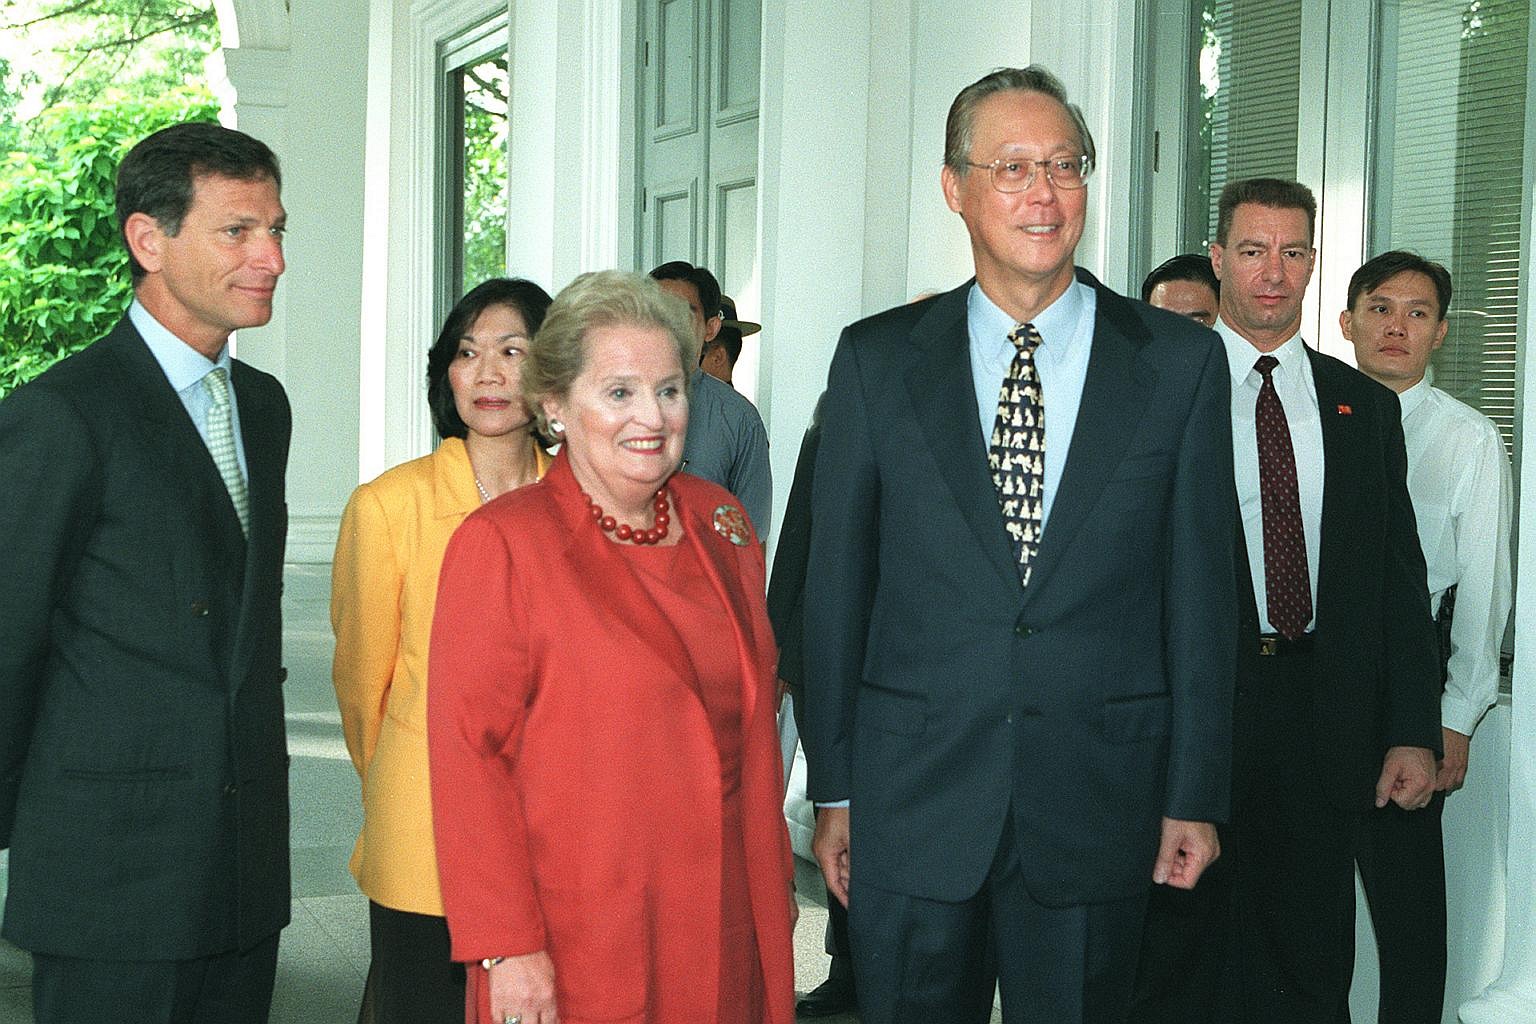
606 784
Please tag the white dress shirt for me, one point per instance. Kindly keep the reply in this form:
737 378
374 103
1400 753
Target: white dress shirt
1298 395
1061 362
185 367
1459 480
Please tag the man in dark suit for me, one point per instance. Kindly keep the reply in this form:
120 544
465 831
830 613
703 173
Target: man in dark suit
1337 704
143 766
1020 648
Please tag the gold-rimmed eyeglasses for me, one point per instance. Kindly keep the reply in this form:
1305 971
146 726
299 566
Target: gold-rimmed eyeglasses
1017 173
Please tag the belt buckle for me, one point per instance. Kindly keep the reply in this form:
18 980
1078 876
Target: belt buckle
1269 645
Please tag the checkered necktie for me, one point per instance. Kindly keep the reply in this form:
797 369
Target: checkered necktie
221 444
1287 584
1016 454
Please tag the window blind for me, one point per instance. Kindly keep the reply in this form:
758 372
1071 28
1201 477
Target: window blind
1253 113
1450 120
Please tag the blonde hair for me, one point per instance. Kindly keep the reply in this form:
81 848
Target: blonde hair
558 352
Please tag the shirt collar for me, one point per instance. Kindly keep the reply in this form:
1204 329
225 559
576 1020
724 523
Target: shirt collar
1241 355
1057 323
1414 396
182 364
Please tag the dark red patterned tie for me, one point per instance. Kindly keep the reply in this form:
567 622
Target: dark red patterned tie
1016 454
1287 584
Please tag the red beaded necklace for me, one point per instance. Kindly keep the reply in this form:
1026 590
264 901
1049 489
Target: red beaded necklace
623 531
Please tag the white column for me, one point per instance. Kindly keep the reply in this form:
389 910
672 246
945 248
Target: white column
290 71
252 88
1513 996
811 192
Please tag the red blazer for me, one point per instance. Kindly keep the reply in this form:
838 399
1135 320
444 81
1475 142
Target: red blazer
575 780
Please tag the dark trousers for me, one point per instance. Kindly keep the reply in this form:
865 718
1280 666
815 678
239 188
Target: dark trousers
226 988
837 914
1268 935
411 979
1178 974
1401 858
837 937
917 959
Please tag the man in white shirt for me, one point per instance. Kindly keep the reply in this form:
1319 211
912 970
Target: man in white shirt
1459 479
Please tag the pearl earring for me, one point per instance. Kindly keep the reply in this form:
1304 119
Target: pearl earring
557 426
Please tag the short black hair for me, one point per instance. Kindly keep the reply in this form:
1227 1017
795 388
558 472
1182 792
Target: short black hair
1276 193
1189 266
1378 270
159 174
531 303
702 280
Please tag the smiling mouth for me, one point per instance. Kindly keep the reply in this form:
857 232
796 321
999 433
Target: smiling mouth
491 403
644 445
1041 229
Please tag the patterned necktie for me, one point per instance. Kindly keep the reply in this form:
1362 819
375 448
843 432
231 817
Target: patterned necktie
221 444
1016 454
1287 584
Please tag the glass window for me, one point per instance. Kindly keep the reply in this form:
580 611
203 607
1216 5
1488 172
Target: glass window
1450 122
473 183
1250 75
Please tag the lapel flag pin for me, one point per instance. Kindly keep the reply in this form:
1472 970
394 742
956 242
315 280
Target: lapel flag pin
1345 410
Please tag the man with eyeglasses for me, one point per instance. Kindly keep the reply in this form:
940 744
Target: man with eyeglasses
1020 603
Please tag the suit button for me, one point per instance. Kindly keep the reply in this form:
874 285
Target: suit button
199 608
1008 718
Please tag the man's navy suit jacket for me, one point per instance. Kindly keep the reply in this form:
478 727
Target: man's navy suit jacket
143 766
940 693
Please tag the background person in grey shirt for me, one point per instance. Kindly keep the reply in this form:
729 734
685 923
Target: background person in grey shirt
726 441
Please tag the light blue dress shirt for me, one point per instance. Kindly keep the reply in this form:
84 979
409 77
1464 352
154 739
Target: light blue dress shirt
1061 361
185 368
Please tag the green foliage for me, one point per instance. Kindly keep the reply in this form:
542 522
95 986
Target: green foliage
76 51
484 98
64 278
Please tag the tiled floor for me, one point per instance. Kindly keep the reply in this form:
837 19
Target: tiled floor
324 952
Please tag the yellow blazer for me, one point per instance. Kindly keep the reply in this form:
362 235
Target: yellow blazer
383 593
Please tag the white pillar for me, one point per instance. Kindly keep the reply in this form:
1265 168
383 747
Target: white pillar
252 88
1513 996
811 192
278 73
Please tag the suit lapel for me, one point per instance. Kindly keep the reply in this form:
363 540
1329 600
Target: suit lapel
1115 392
942 390
210 552
264 549
1336 400
169 432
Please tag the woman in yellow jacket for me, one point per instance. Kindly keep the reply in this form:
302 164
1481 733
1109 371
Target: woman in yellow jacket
383 591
